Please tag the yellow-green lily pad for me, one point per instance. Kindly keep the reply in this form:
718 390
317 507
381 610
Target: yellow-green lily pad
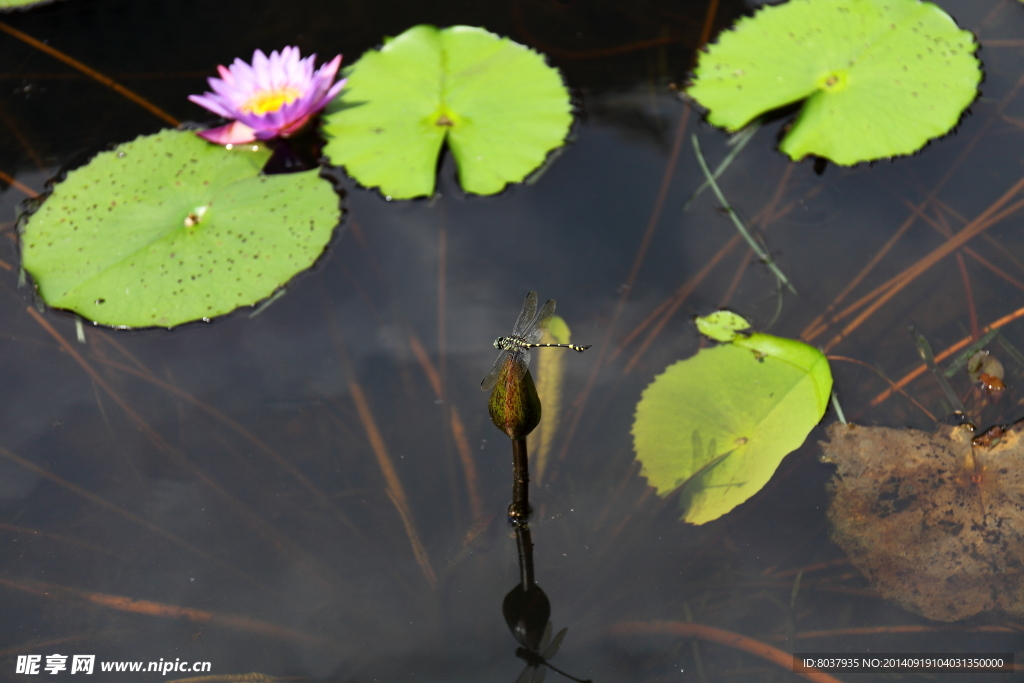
718 424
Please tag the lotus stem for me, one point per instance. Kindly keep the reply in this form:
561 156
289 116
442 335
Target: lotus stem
762 254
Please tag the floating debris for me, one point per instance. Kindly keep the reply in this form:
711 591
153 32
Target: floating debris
986 369
934 521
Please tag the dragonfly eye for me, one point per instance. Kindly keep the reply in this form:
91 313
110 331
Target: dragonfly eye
497 343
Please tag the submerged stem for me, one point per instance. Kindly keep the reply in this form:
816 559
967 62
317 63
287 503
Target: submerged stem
838 408
762 254
737 143
924 349
962 359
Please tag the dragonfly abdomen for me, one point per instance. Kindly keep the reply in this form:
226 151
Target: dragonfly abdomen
513 342
515 348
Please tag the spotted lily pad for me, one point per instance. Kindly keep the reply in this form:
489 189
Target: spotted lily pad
934 521
716 426
722 326
878 78
498 106
169 228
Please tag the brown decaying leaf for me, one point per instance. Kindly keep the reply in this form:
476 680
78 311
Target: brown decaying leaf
934 521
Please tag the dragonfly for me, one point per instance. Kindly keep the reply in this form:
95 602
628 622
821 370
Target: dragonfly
537 660
515 348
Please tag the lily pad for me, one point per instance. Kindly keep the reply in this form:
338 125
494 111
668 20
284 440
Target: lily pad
722 326
934 521
500 108
10 5
718 424
169 228
879 77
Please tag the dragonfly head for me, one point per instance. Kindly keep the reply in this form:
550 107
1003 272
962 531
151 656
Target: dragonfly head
497 343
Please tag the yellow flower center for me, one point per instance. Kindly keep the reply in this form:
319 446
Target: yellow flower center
263 101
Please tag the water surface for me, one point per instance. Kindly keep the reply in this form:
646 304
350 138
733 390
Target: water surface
235 467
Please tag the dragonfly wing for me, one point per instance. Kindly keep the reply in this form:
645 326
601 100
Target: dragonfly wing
526 315
546 638
542 671
492 376
552 649
540 323
523 364
526 675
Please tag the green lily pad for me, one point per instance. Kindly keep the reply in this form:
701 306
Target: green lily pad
880 77
718 424
500 108
722 326
169 228
11 5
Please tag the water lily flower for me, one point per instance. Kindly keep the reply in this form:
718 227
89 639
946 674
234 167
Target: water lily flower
273 97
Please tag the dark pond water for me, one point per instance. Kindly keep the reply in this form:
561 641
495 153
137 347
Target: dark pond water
235 468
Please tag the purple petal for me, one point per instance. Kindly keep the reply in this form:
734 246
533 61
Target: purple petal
271 69
234 133
321 90
328 71
244 75
279 75
335 89
286 69
214 104
261 70
268 134
228 92
295 126
259 59
305 68
265 126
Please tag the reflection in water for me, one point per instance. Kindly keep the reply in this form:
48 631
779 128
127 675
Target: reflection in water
526 607
538 660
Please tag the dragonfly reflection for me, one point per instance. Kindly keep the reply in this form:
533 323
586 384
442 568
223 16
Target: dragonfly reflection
537 664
